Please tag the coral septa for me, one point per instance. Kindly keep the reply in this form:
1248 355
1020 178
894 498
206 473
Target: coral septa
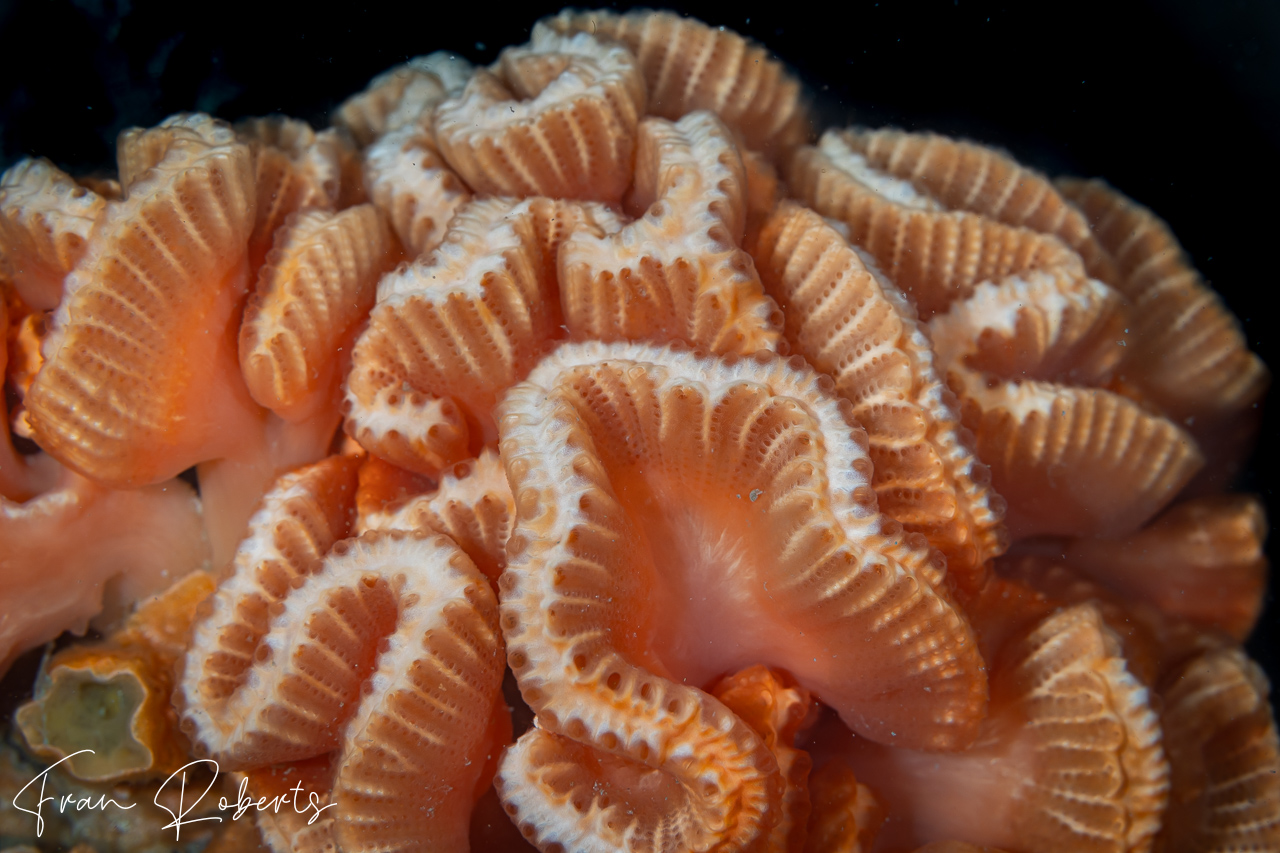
317 286
690 66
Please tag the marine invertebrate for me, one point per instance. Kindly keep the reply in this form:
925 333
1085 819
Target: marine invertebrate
145 333
932 255
678 272
45 219
402 95
411 752
72 550
1070 757
851 323
404 173
604 446
1218 737
472 506
79 547
190 192
294 168
299 520
1017 327
452 331
690 66
556 117
1189 354
696 554
275 670
316 288
1221 740
409 180
1026 357
844 815
21 476
777 709
382 485
1200 560
966 176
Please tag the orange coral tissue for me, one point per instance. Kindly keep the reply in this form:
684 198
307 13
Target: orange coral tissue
706 480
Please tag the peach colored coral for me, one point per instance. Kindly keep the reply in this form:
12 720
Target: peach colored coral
862 494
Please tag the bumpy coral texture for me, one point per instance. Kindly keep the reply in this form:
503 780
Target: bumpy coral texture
556 117
315 290
706 484
605 534
1021 332
277 669
690 66
170 265
850 322
45 219
452 331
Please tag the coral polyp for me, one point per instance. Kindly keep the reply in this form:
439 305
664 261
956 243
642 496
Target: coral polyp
594 453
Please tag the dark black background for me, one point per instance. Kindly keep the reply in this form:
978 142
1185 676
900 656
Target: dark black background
1176 103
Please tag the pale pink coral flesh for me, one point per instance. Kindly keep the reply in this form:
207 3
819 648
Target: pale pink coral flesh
691 550
1070 758
642 566
50 581
146 334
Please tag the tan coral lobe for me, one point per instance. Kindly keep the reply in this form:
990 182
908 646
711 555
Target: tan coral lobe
768 452
78 547
967 176
689 66
1017 327
1152 642
1188 352
647 481
382 485
404 172
318 285
1070 459
295 169
278 667
409 181
299 519
678 272
1069 760
141 378
25 345
845 815
139 339
45 220
285 830
933 256
777 708
556 117
389 653
452 331
852 324
1201 560
22 476
141 149
402 95
472 506
1220 733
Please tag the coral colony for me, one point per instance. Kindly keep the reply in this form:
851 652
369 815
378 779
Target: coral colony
798 487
